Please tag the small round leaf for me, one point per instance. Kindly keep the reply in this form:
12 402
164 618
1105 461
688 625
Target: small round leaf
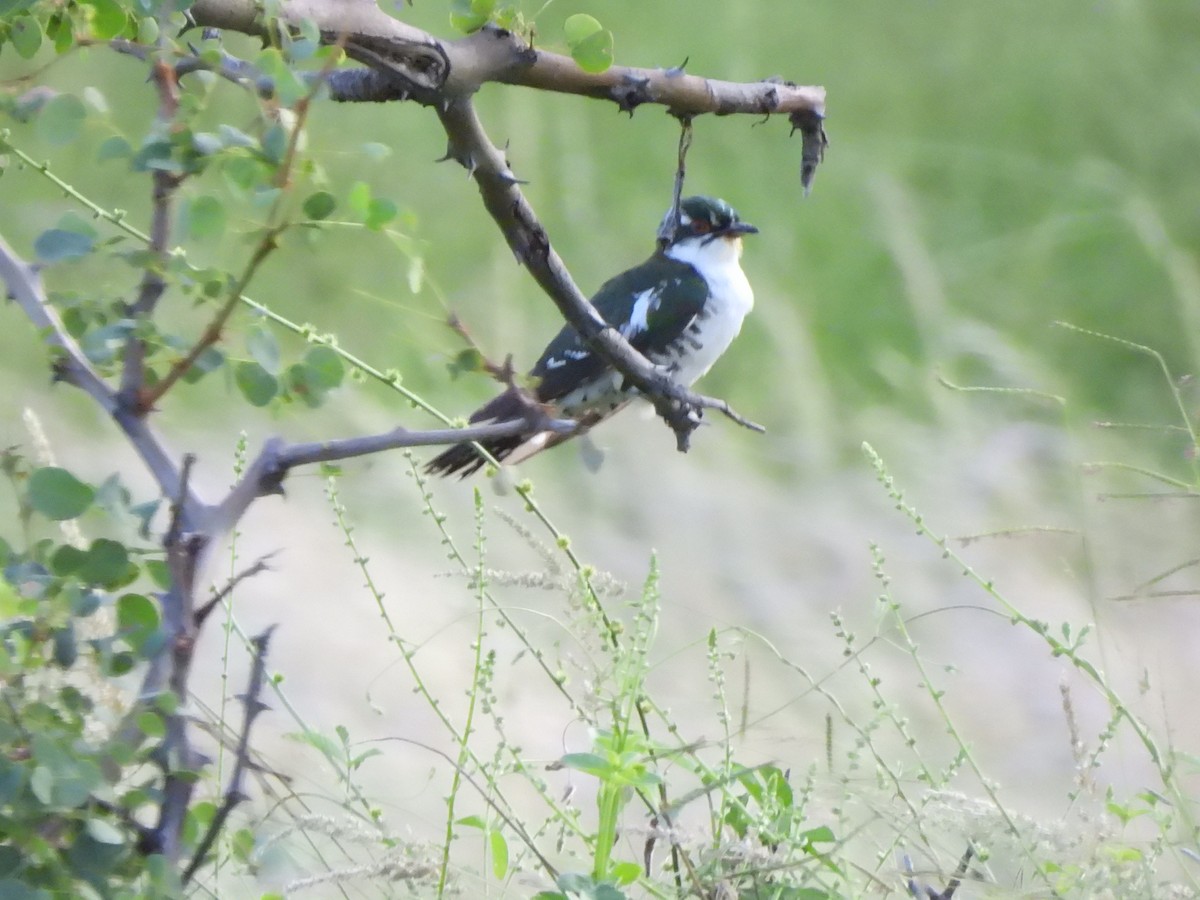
264 349
26 36
319 205
58 244
205 217
61 119
57 494
257 385
324 366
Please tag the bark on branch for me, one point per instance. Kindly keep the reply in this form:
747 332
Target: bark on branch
432 71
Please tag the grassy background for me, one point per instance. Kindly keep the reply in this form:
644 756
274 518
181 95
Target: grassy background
994 168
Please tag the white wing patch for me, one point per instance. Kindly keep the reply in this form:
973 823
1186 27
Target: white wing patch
555 362
643 304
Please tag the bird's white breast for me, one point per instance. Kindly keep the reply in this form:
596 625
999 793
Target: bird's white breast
730 300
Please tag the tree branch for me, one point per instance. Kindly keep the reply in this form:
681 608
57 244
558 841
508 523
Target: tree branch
164 185
72 366
265 475
432 71
235 794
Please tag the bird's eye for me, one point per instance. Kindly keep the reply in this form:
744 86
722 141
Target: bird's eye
700 226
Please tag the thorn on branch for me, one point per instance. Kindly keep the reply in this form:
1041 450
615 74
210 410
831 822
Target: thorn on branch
234 793
813 141
632 92
676 71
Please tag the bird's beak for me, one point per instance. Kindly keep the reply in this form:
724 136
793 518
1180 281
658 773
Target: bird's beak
740 228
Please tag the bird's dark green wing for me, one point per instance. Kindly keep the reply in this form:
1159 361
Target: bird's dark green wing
651 304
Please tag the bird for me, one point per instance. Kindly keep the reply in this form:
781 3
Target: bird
681 309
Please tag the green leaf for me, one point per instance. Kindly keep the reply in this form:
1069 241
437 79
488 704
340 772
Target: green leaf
66 647
263 349
499 854
57 245
471 15
257 385
380 212
205 143
148 31
42 785
61 120
591 763
325 367
159 572
205 217
302 381
26 36
107 564
319 205
590 43
274 143
57 494
66 559
137 619
108 19
465 361
115 147
104 832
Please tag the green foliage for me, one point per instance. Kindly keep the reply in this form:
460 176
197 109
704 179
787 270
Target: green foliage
72 785
590 43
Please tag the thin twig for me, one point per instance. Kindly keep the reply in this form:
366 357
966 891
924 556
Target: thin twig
212 332
670 224
261 565
234 794
164 184
502 373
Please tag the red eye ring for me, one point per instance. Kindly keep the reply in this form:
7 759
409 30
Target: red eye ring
700 226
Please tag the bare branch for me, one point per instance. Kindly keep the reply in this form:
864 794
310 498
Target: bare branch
164 185
670 223
171 668
234 794
432 71
72 366
265 475
262 564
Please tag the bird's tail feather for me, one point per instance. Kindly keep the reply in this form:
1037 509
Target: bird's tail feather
464 459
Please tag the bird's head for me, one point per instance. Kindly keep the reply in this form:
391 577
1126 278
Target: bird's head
702 221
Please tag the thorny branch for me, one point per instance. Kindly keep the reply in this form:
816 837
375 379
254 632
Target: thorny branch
165 183
235 793
262 564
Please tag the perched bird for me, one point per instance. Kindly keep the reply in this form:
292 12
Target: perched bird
681 309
